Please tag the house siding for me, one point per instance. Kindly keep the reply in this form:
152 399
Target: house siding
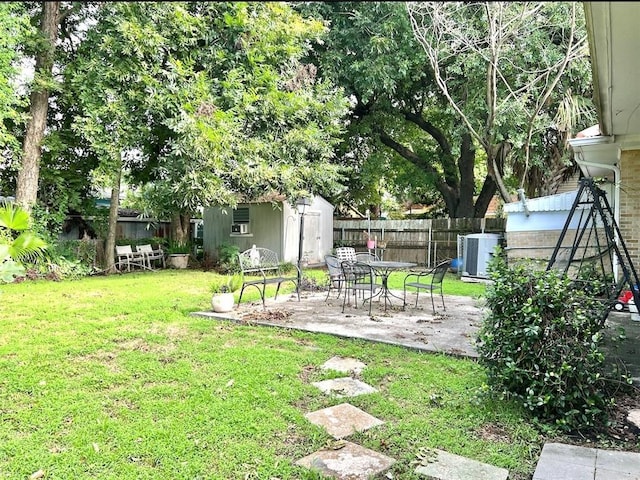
630 202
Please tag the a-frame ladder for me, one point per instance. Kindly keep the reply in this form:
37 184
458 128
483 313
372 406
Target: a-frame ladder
597 208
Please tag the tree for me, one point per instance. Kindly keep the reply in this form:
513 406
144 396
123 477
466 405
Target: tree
201 104
14 27
402 134
27 184
504 68
254 121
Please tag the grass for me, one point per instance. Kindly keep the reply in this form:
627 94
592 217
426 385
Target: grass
111 378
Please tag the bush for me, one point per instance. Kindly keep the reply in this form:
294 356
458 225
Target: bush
228 258
540 344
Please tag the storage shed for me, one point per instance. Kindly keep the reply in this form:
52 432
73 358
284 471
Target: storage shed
534 225
274 225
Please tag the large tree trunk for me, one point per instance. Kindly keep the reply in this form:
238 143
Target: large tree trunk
27 183
110 247
180 228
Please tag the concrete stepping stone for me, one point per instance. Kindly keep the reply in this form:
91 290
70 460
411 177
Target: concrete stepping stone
343 420
633 417
349 462
573 462
344 387
441 465
345 365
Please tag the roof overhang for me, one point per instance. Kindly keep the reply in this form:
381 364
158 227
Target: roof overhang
614 42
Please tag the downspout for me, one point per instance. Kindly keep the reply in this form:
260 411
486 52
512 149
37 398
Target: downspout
523 199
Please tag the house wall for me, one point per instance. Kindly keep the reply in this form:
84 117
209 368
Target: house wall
265 229
630 203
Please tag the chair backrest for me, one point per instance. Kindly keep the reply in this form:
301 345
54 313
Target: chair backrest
123 250
439 271
357 272
144 248
346 253
366 257
333 265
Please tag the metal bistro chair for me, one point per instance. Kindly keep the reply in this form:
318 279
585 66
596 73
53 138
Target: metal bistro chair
427 280
336 277
366 257
359 277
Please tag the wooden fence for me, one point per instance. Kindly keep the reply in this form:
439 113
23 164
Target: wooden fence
425 242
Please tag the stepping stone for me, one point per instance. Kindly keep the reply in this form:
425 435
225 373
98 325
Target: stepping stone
447 466
344 387
343 420
634 418
345 365
350 462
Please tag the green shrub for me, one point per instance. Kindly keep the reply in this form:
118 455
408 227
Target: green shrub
540 344
228 258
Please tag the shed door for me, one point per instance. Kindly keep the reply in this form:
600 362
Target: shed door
311 239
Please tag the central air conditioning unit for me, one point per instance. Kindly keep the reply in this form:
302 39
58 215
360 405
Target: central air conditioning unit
477 252
240 228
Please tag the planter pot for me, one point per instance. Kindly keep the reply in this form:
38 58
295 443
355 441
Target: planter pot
222 302
178 260
371 244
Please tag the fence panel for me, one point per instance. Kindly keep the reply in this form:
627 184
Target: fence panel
426 242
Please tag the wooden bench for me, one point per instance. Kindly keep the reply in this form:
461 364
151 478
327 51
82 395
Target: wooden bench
264 264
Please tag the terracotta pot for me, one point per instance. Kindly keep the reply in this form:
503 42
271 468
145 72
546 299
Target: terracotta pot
222 302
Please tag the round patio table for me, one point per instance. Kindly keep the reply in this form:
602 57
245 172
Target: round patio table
384 269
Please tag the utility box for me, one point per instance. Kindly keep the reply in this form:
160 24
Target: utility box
477 252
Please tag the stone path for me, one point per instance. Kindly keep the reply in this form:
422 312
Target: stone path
345 460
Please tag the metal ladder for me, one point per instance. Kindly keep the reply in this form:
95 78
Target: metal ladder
598 209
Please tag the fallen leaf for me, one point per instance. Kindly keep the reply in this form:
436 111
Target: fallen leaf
38 474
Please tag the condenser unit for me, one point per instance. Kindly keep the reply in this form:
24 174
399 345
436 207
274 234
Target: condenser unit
477 252
240 228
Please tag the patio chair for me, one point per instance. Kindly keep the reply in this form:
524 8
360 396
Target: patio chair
151 255
366 257
359 277
346 254
126 256
427 280
336 277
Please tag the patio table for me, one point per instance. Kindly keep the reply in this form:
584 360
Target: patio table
383 269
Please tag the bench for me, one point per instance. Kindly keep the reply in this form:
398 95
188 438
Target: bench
262 263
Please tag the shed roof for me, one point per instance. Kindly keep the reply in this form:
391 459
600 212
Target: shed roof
550 203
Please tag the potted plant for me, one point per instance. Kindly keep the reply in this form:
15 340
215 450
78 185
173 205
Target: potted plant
222 289
371 242
178 254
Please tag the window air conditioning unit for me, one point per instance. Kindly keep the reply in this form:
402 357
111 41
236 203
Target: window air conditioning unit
477 252
240 228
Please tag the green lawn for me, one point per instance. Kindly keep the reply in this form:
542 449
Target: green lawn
111 378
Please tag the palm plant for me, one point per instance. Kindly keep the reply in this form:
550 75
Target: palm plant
17 243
